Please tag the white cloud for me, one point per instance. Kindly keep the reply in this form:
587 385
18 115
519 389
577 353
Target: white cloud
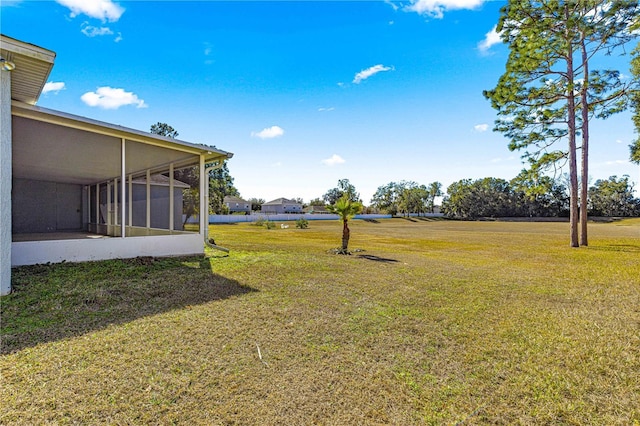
109 98
364 74
53 87
105 10
91 31
269 132
326 109
333 160
392 4
118 38
616 162
490 38
481 127
208 51
436 8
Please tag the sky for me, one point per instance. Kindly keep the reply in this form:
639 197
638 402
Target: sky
304 93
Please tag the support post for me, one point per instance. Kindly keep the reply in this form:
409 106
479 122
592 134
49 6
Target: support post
115 202
171 199
109 208
204 210
123 193
97 206
130 201
5 182
148 199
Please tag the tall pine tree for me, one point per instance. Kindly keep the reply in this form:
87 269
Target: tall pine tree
548 92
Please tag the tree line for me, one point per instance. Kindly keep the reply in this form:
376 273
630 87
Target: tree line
406 197
544 197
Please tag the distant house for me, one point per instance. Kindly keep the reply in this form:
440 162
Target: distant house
316 210
75 189
281 205
237 205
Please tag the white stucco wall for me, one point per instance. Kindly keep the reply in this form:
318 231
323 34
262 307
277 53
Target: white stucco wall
34 252
5 182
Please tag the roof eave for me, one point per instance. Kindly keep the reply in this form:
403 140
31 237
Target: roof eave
33 67
22 109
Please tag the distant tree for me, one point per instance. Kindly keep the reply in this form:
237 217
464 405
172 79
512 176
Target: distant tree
386 198
317 202
434 190
256 203
613 197
538 195
406 197
344 187
346 209
163 129
488 197
220 185
298 200
412 198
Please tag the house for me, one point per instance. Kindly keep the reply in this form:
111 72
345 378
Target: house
281 205
316 210
76 189
237 205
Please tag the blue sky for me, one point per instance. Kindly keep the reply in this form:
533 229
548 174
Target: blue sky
303 93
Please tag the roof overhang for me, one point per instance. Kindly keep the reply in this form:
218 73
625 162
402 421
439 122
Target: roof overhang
54 146
33 65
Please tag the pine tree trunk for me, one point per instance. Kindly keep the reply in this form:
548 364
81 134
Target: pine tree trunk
585 149
571 121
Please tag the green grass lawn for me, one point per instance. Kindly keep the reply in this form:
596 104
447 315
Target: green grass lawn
434 322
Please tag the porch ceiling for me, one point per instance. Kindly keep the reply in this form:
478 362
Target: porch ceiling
52 148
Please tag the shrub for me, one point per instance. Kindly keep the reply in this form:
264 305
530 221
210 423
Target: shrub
270 225
302 223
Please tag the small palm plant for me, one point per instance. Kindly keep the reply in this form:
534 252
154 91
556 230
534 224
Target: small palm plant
346 209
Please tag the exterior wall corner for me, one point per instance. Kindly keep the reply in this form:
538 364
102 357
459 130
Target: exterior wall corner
5 182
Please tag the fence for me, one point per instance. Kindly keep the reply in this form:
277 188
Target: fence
233 218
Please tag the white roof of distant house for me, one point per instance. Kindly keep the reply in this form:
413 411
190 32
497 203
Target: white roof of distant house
279 201
233 199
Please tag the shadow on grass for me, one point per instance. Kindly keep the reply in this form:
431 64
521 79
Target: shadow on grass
431 219
376 258
410 219
53 302
627 248
371 220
